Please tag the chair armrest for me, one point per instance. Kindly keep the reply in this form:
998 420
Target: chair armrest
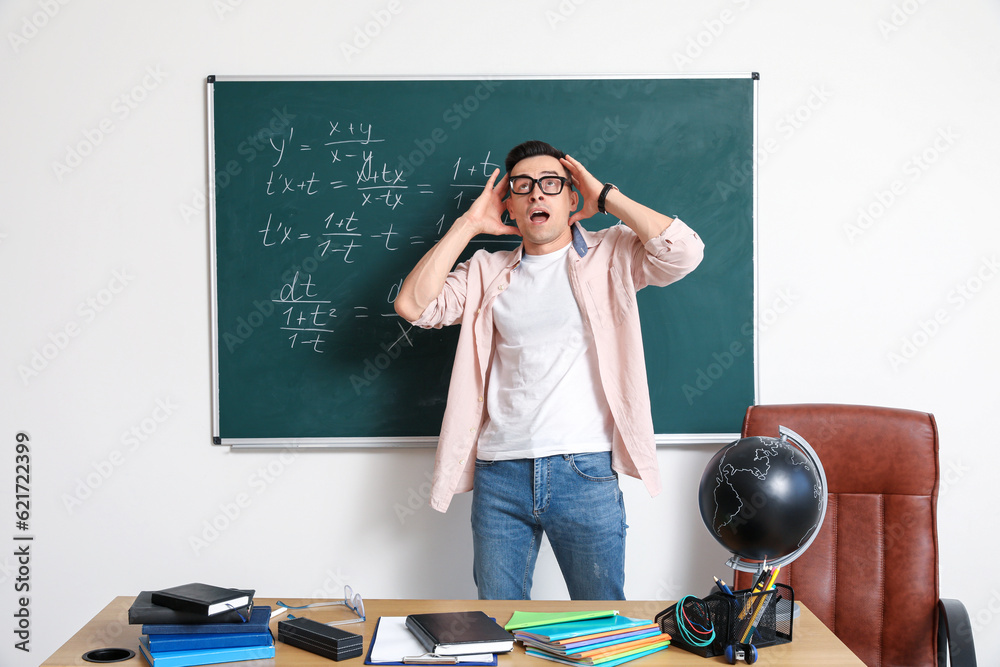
955 635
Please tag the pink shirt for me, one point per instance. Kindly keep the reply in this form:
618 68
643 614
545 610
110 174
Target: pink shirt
609 266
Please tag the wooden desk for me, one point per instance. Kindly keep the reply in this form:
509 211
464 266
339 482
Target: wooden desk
812 644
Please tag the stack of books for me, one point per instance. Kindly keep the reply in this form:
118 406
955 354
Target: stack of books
606 640
198 624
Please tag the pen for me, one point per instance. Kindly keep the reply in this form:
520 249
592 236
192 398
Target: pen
761 603
722 587
762 574
773 578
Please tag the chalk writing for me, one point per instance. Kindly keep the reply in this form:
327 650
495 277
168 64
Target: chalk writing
364 204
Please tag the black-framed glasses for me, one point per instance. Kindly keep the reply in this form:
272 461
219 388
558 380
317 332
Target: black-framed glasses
351 600
549 185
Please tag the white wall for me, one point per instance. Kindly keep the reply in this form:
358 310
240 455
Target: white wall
852 95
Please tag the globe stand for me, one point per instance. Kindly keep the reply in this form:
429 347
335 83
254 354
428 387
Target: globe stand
765 500
789 436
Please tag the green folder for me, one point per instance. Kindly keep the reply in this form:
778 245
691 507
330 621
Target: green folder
529 619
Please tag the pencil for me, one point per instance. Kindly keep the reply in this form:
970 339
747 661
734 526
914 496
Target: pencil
761 603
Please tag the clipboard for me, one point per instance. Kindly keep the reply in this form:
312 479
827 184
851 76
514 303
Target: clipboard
397 639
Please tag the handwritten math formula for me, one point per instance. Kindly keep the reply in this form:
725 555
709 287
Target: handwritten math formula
340 200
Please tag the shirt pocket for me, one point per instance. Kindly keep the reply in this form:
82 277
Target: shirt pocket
612 299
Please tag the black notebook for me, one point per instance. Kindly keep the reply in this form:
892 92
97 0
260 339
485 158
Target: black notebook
256 622
202 598
459 633
143 611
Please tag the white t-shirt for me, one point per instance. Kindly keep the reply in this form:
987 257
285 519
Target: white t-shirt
544 395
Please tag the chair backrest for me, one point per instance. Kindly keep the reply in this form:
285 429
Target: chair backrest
871 575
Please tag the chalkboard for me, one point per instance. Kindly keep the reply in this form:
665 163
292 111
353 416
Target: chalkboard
325 193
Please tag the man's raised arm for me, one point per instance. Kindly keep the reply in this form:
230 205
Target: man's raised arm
644 221
425 281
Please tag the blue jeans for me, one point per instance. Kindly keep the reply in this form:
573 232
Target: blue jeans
574 499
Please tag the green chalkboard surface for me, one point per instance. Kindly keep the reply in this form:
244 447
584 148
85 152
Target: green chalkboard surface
325 193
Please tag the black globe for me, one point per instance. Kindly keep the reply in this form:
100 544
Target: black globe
762 498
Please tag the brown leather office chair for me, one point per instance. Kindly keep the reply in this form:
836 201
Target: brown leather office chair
871 575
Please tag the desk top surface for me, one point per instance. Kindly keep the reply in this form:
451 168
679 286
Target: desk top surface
812 642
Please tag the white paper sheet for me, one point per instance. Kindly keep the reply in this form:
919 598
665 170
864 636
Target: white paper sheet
394 641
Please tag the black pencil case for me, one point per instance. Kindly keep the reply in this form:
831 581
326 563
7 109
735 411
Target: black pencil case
321 639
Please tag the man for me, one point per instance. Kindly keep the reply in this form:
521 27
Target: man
548 398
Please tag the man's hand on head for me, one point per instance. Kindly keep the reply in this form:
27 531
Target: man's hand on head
641 219
485 216
586 184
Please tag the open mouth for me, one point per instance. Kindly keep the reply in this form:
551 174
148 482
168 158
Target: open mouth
538 215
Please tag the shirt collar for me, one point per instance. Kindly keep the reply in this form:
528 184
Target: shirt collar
582 241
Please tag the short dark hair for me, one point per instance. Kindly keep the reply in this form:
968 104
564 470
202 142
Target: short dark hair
530 149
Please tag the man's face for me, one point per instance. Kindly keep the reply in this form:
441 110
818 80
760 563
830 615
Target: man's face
542 219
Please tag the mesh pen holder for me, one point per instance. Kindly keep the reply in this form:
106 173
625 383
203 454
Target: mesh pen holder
762 619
